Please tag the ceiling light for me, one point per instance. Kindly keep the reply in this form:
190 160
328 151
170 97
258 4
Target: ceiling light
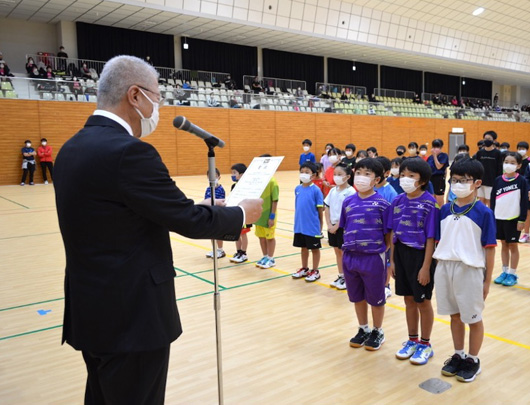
354 68
185 44
478 11
463 82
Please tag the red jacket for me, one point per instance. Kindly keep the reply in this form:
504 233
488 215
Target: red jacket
45 153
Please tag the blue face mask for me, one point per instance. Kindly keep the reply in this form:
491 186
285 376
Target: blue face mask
234 178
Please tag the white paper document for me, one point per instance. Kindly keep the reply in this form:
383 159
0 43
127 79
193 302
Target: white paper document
254 180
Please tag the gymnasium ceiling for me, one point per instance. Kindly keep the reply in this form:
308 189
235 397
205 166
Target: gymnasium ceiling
431 35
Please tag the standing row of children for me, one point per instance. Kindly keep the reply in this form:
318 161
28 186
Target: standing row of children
366 222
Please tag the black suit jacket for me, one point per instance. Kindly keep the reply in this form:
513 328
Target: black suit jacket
116 205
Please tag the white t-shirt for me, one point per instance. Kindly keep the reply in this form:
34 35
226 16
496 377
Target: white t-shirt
334 201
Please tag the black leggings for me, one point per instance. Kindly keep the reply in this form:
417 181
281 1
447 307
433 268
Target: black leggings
31 170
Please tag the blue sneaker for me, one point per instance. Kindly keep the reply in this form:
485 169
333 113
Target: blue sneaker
268 263
501 278
510 280
408 349
262 261
422 354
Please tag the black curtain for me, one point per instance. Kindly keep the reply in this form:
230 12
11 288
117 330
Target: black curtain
340 72
99 42
295 66
477 88
445 84
237 60
401 79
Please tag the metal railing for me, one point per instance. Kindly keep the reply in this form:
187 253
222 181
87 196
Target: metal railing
444 98
339 88
275 84
393 93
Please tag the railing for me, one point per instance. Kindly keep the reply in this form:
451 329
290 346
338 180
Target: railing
51 89
186 75
338 88
275 84
394 93
431 96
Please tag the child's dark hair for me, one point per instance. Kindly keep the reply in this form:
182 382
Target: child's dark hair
351 146
311 166
385 162
400 147
516 155
396 161
27 141
348 170
362 152
461 156
505 145
239 167
265 155
371 164
480 143
423 147
307 142
216 172
437 143
463 147
523 145
319 167
334 151
496 143
419 166
413 145
470 167
372 149
330 144
493 134
45 140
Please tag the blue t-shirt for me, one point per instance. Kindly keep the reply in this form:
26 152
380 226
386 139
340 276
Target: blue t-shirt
364 221
443 158
307 157
28 150
414 220
387 192
219 193
307 201
394 182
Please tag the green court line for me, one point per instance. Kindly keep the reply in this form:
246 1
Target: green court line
256 282
28 236
197 277
30 332
194 296
14 202
33 303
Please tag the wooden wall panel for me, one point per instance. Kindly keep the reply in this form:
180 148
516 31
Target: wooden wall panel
291 129
247 133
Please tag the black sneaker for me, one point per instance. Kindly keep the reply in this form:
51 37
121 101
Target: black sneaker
359 339
375 340
452 365
468 370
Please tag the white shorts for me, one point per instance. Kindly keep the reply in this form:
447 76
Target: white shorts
459 290
484 192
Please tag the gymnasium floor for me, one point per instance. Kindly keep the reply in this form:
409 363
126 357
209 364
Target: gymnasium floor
285 341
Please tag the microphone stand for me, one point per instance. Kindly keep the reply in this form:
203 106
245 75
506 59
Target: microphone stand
211 143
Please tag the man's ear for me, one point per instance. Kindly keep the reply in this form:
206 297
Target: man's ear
133 95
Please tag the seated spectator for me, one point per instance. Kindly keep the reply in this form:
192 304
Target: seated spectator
437 99
49 73
229 83
416 99
212 101
76 87
299 93
148 60
180 96
85 71
371 110
30 64
4 70
2 57
372 98
256 85
36 74
186 85
234 103
343 95
454 101
444 100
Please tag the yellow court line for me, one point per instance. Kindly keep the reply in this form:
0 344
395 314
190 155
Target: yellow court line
394 306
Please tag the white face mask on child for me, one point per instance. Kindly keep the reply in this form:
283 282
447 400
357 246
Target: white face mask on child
305 178
362 183
333 159
509 168
339 180
306 148
461 190
408 184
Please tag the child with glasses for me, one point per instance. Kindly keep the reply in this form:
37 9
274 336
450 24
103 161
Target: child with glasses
509 202
464 269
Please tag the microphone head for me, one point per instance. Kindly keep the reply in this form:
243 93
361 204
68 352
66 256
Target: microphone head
181 122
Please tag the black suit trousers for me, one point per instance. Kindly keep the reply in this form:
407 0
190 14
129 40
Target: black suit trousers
137 378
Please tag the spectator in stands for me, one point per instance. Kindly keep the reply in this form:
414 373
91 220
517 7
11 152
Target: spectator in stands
85 71
343 95
444 100
516 107
49 73
148 60
256 85
416 99
371 110
454 101
28 163
5 72
180 96
496 99
36 73
234 103
372 152
230 84
46 161
30 65
2 57
437 99
372 98
76 87
62 55
299 93
186 85
212 101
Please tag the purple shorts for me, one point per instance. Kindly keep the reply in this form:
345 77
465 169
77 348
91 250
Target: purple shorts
365 276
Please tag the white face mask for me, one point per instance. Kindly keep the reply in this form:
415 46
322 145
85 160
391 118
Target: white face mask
44 143
305 178
522 152
333 159
28 145
423 152
349 154
461 190
502 150
362 183
408 184
149 124
339 180
509 168
306 148
394 171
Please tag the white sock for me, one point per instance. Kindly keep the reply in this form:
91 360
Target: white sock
510 271
366 328
461 353
475 358
380 330
505 269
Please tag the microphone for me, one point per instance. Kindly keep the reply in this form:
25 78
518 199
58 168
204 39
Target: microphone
183 124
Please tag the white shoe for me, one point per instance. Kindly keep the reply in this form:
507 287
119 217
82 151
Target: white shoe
524 238
46 182
341 284
388 292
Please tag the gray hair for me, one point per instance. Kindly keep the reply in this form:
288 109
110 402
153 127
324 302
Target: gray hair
119 74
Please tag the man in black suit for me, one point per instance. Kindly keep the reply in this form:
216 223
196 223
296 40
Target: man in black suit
116 205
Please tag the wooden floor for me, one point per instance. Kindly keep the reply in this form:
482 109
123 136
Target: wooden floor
285 341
